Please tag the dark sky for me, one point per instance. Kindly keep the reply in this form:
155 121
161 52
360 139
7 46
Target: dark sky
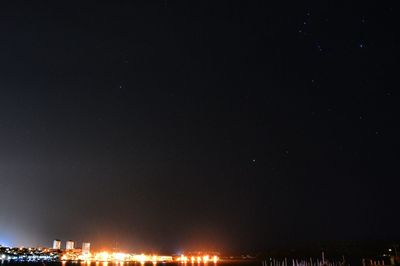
192 125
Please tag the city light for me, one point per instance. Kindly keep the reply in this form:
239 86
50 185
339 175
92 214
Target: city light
120 256
183 259
86 256
105 256
199 259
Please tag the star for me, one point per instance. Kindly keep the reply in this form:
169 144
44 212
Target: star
319 47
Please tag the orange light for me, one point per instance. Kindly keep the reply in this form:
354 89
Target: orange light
119 256
183 259
102 256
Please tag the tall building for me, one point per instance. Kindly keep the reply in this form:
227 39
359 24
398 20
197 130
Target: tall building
57 244
69 245
85 248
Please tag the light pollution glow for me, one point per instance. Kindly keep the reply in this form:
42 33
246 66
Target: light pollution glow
105 256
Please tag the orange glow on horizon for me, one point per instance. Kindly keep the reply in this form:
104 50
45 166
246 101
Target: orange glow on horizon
120 258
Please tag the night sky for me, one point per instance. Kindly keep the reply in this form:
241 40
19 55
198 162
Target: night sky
193 125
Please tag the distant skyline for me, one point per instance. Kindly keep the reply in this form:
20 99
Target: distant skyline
207 125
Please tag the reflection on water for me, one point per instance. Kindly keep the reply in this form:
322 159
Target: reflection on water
153 263
131 263
150 263
94 263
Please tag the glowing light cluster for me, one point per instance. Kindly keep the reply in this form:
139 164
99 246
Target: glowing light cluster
117 257
198 259
102 256
105 256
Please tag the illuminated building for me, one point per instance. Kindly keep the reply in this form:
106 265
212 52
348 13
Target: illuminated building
85 248
69 245
57 244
